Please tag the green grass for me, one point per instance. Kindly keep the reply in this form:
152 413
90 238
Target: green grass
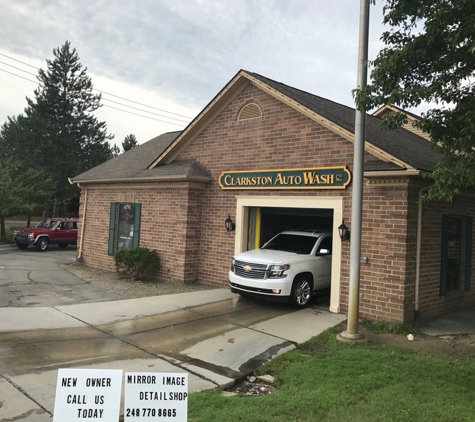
384 327
326 380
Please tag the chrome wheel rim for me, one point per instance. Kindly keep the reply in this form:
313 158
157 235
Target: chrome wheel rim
43 245
302 292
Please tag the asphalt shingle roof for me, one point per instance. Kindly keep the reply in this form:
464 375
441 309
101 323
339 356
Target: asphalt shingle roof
134 164
401 143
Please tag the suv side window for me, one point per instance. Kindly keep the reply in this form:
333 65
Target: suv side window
74 225
326 244
64 226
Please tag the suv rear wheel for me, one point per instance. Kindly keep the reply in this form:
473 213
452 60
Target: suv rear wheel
42 244
301 292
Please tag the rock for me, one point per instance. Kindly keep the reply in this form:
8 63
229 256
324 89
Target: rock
228 394
269 379
447 338
410 337
251 378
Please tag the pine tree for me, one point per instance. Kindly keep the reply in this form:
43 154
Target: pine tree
69 138
129 142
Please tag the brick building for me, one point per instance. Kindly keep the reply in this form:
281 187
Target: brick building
273 157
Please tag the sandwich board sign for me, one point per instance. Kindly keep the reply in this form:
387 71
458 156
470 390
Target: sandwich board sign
88 395
152 396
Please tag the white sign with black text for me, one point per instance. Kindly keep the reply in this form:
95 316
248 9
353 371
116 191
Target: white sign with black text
151 396
88 394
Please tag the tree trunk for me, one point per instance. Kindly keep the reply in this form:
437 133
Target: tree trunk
28 221
55 208
3 232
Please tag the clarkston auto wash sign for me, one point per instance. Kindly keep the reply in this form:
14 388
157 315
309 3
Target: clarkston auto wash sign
309 178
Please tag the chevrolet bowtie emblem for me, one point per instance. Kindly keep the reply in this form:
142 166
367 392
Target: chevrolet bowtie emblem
247 268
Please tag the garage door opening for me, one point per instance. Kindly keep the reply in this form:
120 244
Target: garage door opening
259 218
266 222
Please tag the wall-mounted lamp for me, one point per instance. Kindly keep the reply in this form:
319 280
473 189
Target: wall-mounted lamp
230 226
343 231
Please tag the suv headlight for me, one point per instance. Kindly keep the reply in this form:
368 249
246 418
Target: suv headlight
277 271
232 265
31 236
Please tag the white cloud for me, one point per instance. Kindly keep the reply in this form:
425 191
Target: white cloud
178 54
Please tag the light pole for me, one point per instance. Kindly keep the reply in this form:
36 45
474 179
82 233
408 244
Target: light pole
351 333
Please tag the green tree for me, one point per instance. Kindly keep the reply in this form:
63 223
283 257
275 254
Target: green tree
68 138
129 142
22 190
429 58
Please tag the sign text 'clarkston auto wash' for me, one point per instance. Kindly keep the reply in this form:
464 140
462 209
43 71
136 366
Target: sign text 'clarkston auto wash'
310 178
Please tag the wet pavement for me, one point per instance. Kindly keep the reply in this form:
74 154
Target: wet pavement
215 336
32 278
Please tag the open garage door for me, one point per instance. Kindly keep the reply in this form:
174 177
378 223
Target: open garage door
266 222
324 209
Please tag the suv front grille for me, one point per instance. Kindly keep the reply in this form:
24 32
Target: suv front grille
250 270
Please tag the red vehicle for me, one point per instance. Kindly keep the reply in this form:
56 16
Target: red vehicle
53 231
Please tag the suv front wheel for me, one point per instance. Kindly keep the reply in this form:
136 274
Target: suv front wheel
42 244
301 292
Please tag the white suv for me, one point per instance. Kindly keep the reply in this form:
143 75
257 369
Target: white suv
288 268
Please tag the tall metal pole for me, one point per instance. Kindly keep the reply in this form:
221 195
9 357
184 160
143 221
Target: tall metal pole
351 332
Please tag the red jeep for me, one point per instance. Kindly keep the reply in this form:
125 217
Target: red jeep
53 231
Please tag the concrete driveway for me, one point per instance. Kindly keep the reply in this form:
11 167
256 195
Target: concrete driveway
215 336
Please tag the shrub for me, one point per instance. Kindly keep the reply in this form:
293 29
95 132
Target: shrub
138 263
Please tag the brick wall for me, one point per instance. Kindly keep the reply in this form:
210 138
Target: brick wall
170 223
186 224
284 138
431 302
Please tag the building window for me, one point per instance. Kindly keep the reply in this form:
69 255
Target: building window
124 227
456 253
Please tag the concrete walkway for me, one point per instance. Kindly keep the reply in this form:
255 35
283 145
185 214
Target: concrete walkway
215 336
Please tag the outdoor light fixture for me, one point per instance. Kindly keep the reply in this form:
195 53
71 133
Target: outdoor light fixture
230 226
343 231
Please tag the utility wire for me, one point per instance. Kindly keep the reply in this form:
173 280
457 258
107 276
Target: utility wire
26 64
145 105
108 106
17 68
98 90
145 111
146 117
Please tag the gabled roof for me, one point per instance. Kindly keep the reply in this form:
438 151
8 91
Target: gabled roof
405 150
412 119
388 108
155 160
133 165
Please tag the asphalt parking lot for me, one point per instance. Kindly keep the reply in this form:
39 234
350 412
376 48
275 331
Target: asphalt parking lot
50 319
32 278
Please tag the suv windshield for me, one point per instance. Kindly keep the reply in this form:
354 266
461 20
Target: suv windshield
292 243
46 224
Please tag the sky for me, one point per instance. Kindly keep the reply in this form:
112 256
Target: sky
167 59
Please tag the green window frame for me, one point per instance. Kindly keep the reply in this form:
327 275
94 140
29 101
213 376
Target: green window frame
456 253
124 226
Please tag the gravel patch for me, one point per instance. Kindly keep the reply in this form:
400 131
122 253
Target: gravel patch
110 280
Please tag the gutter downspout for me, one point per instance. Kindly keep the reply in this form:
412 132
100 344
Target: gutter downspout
418 252
82 224
84 218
